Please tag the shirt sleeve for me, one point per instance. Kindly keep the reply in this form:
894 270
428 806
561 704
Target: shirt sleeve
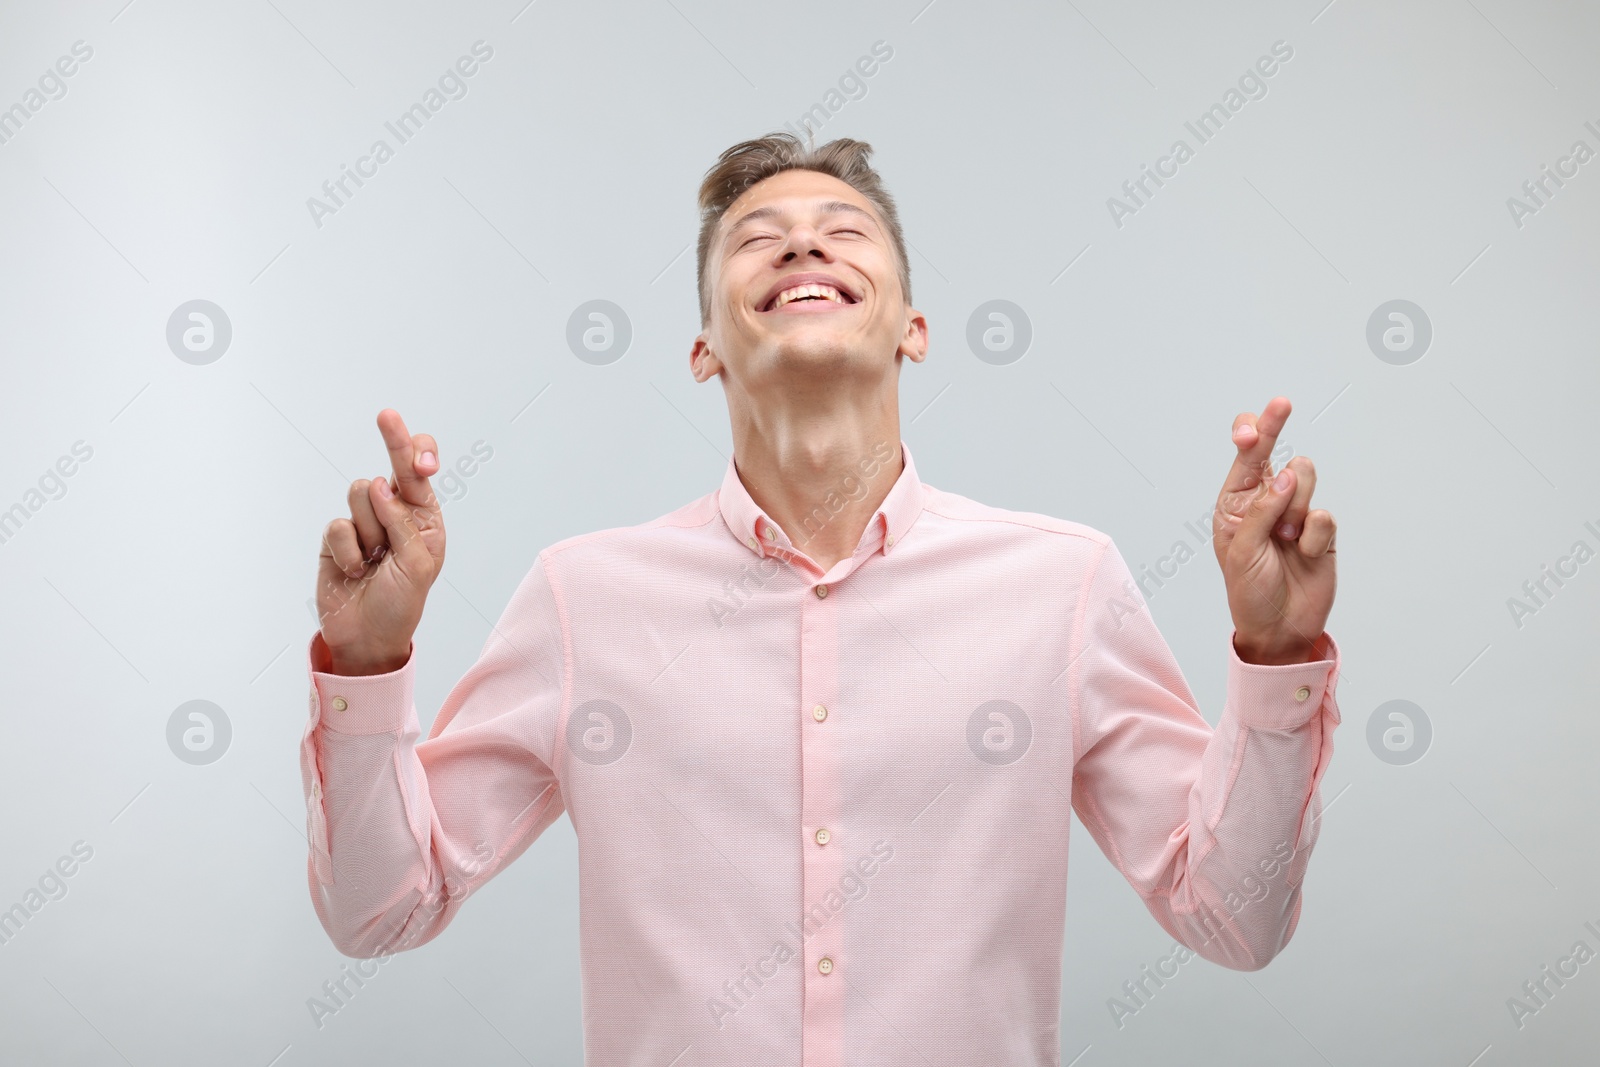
402 831
1214 829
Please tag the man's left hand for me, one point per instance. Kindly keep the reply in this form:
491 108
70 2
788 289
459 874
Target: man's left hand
1277 556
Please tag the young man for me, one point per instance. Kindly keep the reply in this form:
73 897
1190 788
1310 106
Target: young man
820 731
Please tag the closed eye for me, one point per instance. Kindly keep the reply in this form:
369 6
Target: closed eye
768 236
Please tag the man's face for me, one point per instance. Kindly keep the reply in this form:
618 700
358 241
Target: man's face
795 228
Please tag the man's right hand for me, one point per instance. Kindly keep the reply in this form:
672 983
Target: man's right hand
377 566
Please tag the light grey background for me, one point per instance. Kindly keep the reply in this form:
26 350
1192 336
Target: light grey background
177 562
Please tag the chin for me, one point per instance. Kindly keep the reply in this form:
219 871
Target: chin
821 349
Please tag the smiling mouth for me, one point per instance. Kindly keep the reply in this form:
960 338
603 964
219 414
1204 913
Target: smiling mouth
809 298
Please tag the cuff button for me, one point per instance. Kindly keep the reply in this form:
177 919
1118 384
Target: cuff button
339 703
1303 692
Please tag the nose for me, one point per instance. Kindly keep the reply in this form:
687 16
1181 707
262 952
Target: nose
803 240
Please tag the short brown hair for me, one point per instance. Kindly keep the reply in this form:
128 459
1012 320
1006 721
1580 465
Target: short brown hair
748 162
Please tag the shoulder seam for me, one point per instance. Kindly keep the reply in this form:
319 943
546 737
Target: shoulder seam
1088 533
660 522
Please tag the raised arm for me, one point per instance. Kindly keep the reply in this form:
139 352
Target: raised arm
402 830
1213 829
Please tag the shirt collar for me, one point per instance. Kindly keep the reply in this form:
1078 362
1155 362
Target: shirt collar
757 532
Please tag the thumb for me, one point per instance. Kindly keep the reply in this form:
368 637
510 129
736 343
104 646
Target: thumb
405 541
1268 506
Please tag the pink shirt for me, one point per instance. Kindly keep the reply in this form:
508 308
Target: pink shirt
823 818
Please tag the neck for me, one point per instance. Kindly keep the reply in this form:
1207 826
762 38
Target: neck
822 485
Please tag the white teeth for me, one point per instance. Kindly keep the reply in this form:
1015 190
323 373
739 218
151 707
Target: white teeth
827 292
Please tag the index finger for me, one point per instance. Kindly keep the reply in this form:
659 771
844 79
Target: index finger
1256 437
412 487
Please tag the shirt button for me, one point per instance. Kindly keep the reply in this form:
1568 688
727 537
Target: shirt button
890 541
768 531
822 591
339 703
822 836
819 713
825 965
752 543
1303 692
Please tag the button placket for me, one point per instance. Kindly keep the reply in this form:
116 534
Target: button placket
822 998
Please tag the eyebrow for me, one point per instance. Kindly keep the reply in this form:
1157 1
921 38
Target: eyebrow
827 207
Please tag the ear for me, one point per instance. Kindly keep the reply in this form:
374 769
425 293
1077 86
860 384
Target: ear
703 363
914 342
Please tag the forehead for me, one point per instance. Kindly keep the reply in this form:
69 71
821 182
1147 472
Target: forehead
793 190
